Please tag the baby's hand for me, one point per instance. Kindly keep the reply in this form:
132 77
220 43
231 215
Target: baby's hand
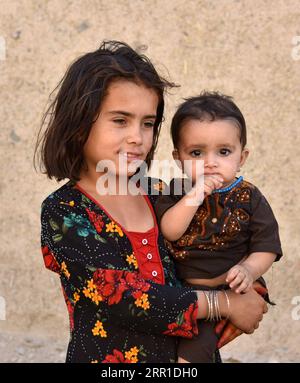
211 182
239 279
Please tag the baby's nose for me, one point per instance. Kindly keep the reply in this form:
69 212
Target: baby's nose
210 163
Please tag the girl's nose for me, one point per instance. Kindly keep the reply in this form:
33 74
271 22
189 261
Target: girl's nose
135 135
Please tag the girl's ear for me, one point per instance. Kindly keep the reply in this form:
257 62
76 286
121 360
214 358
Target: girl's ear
175 154
244 156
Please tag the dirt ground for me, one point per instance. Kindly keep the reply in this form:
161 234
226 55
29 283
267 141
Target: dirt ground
33 349
15 348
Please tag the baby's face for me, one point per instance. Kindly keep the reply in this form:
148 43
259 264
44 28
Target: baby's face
217 143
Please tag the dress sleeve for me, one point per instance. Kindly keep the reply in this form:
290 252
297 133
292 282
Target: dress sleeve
103 283
264 227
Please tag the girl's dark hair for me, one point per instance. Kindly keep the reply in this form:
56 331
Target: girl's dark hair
208 106
77 105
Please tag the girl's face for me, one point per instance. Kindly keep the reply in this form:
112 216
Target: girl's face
217 143
124 129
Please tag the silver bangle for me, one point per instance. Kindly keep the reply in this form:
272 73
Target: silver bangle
212 303
218 312
214 296
213 311
228 304
208 306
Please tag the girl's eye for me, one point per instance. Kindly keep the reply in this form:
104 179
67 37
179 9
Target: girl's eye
120 121
149 124
225 152
196 153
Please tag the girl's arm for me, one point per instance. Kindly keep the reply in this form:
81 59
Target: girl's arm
244 311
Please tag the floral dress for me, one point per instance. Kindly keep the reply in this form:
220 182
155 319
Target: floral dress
124 301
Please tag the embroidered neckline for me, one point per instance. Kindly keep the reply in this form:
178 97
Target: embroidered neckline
224 190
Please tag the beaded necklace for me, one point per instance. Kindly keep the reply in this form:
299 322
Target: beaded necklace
230 186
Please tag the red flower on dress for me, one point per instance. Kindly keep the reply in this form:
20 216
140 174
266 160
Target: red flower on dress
110 284
96 220
190 317
49 260
186 325
135 282
117 357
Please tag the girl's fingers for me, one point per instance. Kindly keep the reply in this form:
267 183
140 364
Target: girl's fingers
229 333
228 338
259 288
220 326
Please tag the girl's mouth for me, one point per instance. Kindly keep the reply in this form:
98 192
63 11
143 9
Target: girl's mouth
131 156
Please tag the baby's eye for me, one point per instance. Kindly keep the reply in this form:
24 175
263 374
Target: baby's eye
225 152
196 153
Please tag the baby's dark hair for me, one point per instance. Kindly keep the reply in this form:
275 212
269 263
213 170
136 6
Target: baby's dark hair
78 102
208 106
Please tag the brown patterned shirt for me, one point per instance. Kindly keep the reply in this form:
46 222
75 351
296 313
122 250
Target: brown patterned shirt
226 227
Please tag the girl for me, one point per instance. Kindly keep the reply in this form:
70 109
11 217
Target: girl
124 302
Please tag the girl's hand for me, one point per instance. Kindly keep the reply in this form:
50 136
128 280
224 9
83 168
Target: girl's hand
239 279
226 330
246 310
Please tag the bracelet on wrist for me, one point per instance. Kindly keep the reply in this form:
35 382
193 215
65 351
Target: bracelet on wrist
213 306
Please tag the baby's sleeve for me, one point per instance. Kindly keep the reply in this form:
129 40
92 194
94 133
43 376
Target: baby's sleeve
263 227
168 198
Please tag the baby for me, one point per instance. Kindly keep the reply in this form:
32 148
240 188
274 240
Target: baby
230 238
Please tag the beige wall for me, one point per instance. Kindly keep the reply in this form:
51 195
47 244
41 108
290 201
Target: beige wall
243 48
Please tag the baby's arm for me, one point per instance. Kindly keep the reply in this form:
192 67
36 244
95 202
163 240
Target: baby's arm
241 277
177 218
